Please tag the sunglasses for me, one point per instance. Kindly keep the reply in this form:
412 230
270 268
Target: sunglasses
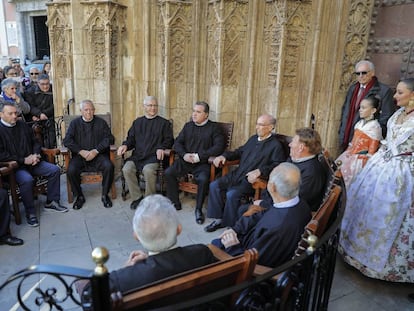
34 73
361 73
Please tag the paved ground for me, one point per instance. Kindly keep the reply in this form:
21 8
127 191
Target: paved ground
68 239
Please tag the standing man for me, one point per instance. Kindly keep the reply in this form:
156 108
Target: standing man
367 85
89 138
40 98
276 232
5 236
258 156
197 141
18 143
149 135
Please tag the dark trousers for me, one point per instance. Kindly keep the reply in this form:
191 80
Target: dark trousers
201 173
25 180
101 163
224 200
4 212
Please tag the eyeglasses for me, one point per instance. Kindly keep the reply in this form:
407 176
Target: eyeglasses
151 106
43 84
262 124
12 73
361 73
34 73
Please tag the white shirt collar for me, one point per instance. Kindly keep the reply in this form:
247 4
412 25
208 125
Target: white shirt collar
288 203
303 159
7 124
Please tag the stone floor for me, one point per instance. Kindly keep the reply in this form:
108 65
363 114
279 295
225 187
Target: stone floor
69 238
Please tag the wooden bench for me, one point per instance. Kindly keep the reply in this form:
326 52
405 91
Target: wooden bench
192 284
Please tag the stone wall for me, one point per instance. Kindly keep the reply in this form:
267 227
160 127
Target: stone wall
293 59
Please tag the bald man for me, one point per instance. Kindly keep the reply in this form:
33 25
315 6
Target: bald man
276 232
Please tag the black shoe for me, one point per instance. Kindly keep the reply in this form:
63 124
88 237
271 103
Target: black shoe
213 226
411 297
106 201
11 240
134 204
199 216
178 206
32 220
80 200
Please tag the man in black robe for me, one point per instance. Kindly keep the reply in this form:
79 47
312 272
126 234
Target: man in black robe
197 141
258 156
148 136
162 257
89 138
275 232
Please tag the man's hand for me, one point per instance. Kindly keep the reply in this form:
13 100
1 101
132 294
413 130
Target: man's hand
252 176
92 155
43 116
160 154
189 157
32 159
229 238
136 256
257 202
121 150
219 161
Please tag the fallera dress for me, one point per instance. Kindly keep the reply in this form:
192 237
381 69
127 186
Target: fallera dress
377 234
365 142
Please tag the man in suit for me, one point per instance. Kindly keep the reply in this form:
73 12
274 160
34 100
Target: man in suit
366 85
305 147
198 140
156 227
258 156
275 232
5 236
89 138
149 135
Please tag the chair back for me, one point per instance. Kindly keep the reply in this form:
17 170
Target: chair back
285 140
227 128
191 284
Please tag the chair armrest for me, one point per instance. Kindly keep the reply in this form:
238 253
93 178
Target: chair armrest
259 186
10 164
64 151
50 154
260 270
5 170
113 148
218 253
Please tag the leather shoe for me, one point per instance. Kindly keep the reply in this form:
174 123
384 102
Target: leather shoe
80 200
178 206
199 216
135 203
106 201
213 226
11 240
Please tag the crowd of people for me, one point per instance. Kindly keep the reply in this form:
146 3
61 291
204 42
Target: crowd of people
378 222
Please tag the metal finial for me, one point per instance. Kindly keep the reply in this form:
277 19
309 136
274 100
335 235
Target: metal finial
100 256
312 240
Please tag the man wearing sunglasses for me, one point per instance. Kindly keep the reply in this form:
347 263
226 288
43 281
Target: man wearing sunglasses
366 85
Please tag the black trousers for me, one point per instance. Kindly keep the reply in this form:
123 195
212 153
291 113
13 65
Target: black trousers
4 212
100 164
201 173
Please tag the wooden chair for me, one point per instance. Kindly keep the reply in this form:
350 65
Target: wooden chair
192 284
187 183
40 184
87 177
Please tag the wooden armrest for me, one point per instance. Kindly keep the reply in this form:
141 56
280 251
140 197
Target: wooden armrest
10 164
5 170
64 150
260 270
218 253
113 148
167 152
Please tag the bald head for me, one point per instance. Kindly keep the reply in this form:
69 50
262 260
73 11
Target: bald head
284 182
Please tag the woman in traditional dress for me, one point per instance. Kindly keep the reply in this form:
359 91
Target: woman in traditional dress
365 142
377 229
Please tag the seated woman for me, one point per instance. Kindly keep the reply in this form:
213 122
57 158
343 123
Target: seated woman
378 223
365 142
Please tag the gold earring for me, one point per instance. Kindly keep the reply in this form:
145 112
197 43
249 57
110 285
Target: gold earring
411 102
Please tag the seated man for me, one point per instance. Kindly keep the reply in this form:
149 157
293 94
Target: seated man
197 141
149 135
258 156
5 236
156 226
89 138
304 150
18 143
276 232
